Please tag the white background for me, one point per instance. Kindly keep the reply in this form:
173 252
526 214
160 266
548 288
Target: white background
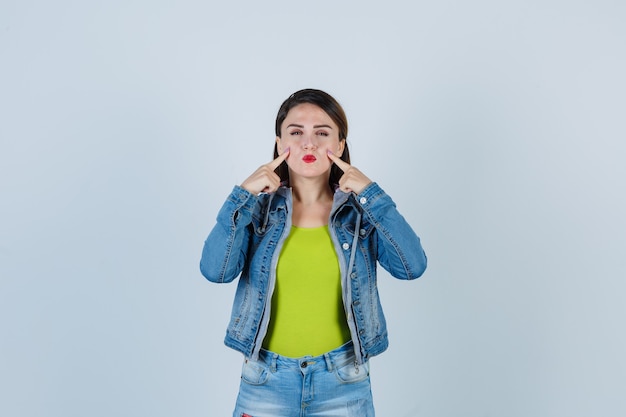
497 127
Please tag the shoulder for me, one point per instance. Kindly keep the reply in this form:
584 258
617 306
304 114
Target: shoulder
279 199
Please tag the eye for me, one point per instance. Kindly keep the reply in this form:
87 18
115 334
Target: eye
322 133
295 133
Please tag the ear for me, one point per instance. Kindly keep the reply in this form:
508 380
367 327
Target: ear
342 146
278 145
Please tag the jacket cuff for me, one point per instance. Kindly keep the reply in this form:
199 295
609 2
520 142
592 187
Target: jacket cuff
370 195
242 198
238 207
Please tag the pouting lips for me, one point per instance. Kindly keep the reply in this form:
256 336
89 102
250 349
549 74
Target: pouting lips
309 158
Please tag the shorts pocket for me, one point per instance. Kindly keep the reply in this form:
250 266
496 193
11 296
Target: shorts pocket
254 373
352 372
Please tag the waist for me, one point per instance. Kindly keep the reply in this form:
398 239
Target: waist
328 361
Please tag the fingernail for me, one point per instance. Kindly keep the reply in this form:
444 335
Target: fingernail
286 150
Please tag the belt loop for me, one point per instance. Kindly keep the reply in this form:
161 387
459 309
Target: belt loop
273 363
329 362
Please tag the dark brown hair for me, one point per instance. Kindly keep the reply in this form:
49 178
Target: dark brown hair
334 110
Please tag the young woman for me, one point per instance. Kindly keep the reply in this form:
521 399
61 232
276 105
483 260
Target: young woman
303 233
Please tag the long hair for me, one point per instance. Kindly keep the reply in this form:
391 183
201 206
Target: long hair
334 110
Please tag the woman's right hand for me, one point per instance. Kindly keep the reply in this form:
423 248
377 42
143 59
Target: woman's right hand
264 179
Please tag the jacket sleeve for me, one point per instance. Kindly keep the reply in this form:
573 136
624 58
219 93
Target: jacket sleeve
400 250
225 249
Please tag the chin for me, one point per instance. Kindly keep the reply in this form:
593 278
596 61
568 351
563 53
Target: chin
310 173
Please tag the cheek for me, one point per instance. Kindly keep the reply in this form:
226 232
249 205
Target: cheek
334 148
331 146
287 143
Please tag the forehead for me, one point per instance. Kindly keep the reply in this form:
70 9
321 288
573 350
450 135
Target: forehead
308 113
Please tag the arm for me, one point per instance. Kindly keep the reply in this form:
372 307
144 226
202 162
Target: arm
400 251
224 252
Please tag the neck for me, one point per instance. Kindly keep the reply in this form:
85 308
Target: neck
311 190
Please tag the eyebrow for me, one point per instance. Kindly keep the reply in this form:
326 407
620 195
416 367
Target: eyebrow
314 127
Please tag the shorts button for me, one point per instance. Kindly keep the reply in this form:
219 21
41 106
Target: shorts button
303 364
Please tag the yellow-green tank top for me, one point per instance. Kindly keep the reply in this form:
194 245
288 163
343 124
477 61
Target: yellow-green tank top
307 316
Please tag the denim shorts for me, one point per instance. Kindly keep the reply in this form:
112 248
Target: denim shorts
332 384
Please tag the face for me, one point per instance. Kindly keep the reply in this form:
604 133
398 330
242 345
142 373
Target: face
309 132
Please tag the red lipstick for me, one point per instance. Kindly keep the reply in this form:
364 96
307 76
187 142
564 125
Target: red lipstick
309 159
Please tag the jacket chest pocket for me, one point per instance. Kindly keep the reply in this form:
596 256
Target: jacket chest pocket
351 220
264 222
364 230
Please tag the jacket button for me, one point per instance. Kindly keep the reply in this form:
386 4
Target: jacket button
345 246
362 232
363 200
353 275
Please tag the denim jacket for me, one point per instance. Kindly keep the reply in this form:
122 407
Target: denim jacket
247 241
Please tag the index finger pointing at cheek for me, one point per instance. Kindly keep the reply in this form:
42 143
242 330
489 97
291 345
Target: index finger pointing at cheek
343 165
279 160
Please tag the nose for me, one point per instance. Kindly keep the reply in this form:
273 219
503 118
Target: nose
309 142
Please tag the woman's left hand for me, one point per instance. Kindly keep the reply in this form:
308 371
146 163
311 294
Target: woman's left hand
352 179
